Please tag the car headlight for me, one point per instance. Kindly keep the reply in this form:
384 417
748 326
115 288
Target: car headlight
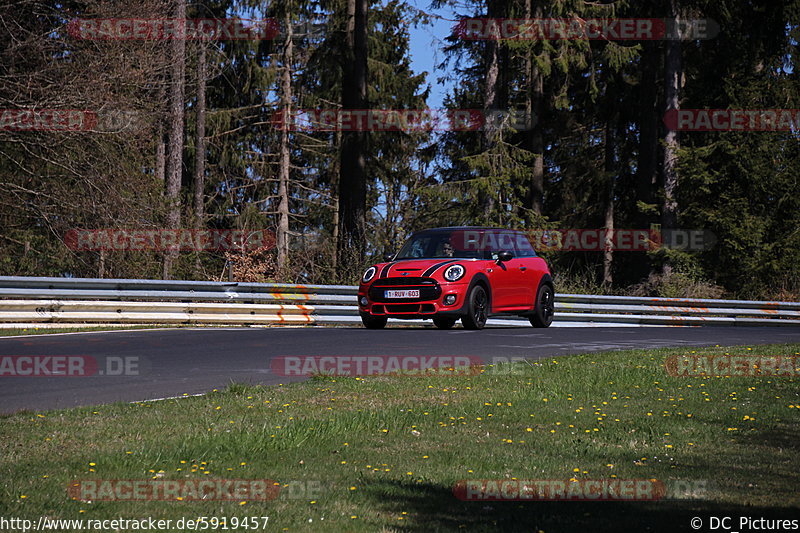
454 272
369 274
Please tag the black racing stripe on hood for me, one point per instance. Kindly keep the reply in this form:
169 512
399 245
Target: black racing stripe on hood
436 267
385 269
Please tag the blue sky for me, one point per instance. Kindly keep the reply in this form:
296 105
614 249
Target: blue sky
426 48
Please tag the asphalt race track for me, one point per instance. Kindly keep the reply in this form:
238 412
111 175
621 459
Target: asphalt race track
173 362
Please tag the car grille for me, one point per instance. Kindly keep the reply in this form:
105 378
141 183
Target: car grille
428 289
403 309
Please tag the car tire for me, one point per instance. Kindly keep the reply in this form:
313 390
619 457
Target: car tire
543 311
477 308
442 322
374 322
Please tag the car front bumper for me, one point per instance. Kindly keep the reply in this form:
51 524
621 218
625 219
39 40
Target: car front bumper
430 303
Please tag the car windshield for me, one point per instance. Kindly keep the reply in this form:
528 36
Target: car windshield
465 244
435 245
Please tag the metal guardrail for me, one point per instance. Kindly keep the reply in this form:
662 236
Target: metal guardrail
87 300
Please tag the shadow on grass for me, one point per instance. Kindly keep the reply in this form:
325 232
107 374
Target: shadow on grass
782 438
434 508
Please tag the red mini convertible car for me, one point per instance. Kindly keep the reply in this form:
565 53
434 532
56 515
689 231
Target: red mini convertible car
456 273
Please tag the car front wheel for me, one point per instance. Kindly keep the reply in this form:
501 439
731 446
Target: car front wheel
444 323
477 309
374 322
545 305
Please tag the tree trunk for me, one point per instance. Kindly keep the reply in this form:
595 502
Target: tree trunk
335 197
646 164
161 147
533 109
200 142
610 172
285 160
672 81
161 150
200 147
101 266
492 75
161 153
174 164
352 166
491 103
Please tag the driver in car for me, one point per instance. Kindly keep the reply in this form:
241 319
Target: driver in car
447 249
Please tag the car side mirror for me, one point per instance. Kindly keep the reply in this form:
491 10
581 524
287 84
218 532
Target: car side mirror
388 257
504 256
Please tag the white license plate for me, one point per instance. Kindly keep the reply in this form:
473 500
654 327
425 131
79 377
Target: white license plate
408 293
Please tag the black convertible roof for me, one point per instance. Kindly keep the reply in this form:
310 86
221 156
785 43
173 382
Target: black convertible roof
477 228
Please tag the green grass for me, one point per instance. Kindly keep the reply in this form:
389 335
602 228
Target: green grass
388 451
6 332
